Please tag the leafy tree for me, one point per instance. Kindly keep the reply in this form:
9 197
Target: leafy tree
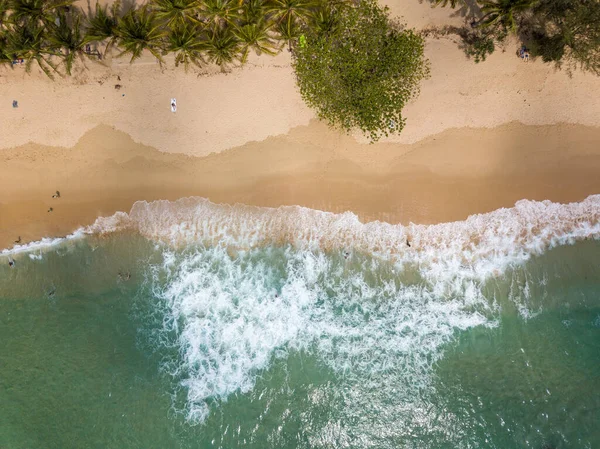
222 47
566 30
138 30
175 12
184 41
364 74
102 25
255 36
69 36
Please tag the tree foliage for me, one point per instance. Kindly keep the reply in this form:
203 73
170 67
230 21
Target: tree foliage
566 30
559 31
224 32
137 31
361 72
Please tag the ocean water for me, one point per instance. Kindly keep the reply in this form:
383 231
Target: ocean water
193 325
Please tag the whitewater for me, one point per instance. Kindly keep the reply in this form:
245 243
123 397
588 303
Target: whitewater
236 290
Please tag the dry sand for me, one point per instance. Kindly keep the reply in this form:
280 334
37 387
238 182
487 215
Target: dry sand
460 159
217 111
442 178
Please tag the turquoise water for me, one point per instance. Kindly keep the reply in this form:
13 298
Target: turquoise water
282 342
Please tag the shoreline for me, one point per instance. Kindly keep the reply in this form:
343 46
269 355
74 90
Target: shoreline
478 137
446 177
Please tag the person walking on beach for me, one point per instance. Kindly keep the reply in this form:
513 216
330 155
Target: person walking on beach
56 195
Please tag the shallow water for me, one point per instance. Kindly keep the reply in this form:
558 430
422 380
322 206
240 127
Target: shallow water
227 335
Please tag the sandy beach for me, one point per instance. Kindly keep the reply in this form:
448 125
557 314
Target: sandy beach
479 137
445 177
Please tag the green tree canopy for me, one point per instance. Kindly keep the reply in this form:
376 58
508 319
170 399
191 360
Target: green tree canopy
363 72
566 30
560 31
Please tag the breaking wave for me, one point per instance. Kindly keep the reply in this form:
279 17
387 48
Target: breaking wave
240 286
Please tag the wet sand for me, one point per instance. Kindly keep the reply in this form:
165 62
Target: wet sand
445 177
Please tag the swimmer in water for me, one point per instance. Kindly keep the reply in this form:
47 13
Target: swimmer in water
407 243
11 262
125 277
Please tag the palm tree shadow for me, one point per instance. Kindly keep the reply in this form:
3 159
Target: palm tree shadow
469 9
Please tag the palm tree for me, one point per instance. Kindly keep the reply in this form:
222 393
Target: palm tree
325 19
255 36
138 30
102 26
35 11
3 13
253 11
28 42
288 30
68 35
5 54
185 42
222 47
219 12
175 12
292 10
503 12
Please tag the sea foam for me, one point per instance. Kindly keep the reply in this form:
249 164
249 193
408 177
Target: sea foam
480 247
229 316
340 292
240 286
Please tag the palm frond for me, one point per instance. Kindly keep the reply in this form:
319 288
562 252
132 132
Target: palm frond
292 10
69 37
256 36
222 47
28 42
219 12
185 42
175 12
138 30
102 26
